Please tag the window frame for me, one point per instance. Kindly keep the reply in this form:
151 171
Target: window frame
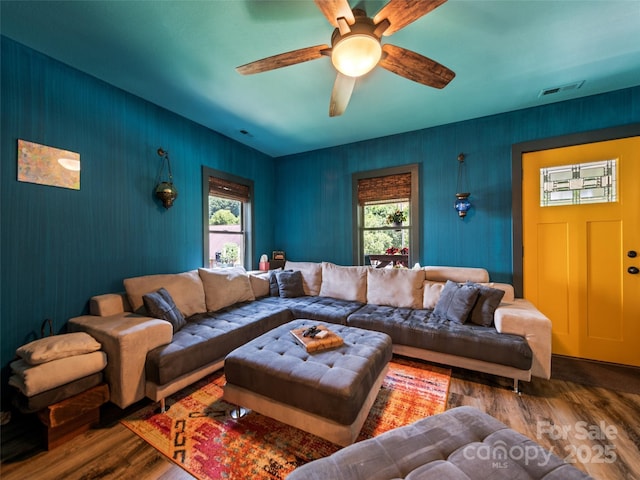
247 214
414 205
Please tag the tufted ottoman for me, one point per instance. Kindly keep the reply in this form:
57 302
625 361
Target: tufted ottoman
460 444
327 393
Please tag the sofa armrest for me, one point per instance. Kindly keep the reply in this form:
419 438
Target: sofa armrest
521 317
109 304
126 338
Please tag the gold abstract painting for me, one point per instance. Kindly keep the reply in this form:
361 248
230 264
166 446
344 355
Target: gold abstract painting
48 165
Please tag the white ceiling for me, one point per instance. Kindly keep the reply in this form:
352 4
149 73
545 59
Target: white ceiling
182 55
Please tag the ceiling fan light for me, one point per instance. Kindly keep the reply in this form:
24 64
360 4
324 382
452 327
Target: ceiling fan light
356 55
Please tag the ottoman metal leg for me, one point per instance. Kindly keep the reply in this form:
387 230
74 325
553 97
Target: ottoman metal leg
238 412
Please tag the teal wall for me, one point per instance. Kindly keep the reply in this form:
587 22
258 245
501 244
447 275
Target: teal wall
315 218
61 246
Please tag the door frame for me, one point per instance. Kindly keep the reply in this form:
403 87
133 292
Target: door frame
518 150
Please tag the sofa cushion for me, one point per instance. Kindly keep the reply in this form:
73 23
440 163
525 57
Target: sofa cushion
225 286
345 283
421 329
58 346
486 304
456 274
159 304
209 337
185 288
290 284
54 395
311 275
32 380
322 309
456 301
397 287
259 284
432 291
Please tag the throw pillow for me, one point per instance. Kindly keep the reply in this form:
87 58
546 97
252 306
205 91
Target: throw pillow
486 304
224 287
311 275
58 346
432 291
456 301
290 284
159 304
259 284
185 289
396 287
344 283
274 291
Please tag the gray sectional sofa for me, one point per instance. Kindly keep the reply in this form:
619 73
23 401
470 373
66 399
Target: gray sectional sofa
226 308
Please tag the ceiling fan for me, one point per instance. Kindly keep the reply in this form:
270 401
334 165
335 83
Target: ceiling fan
356 48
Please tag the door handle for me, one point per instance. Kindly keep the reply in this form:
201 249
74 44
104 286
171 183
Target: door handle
633 270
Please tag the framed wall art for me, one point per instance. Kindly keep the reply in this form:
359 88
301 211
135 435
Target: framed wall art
48 165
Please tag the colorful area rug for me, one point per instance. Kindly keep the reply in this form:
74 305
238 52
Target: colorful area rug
198 434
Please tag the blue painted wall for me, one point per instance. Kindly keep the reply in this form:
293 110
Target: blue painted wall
61 246
316 220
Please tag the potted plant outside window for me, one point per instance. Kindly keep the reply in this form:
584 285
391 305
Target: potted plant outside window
396 218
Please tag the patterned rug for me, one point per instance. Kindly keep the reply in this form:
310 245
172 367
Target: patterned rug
198 434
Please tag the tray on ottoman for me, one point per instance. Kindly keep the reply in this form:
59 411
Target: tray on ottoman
327 393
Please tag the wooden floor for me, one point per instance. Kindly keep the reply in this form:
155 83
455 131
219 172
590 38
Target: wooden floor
588 413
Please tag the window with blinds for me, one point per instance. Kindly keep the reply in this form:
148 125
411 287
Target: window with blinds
386 203
384 189
227 222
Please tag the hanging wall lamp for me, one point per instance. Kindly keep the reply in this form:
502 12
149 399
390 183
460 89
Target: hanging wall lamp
166 191
462 204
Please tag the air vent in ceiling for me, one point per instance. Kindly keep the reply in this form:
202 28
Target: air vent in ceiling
563 88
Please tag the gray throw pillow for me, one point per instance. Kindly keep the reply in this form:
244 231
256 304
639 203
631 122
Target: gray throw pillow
290 284
486 304
274 291
159 304
456 301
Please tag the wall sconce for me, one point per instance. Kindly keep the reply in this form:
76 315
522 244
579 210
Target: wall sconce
166 191
462 204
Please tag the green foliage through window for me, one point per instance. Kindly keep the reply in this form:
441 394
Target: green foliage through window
378 235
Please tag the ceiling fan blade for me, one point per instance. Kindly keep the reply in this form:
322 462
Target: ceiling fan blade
334 9
415 67
341 94
283 60
401 13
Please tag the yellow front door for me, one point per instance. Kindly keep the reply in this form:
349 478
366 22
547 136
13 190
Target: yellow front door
581 260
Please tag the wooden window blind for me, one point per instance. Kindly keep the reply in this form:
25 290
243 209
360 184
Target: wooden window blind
219 187
384 189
